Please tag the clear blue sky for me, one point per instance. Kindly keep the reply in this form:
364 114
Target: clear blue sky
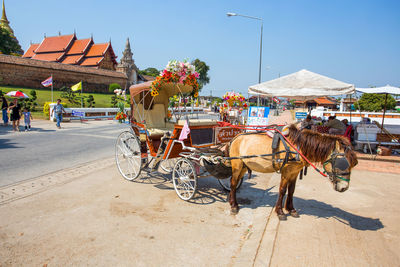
352 41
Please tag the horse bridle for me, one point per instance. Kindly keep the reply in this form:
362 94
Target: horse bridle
338 162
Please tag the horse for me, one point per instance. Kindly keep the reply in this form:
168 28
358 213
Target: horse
333 152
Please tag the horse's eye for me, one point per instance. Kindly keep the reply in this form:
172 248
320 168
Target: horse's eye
341 164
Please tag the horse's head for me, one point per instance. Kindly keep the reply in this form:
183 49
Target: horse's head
338 166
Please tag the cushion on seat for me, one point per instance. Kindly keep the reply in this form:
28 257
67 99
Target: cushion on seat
153 132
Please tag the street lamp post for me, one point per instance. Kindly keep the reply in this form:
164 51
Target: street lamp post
230 14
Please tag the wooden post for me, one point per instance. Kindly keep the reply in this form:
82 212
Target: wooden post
384 111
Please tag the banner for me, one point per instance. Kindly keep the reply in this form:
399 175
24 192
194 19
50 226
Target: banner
258 116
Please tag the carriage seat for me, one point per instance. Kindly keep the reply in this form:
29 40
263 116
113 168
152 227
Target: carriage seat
199 122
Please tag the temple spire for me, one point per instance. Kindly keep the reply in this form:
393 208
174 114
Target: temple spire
4 23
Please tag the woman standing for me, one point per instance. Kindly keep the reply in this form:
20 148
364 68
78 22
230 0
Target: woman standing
4 107
15 114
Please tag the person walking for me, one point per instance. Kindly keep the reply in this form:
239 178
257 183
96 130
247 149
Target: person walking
4 108
27 118
15 115
58 110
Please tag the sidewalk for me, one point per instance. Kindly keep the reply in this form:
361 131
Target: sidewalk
41 126
92 216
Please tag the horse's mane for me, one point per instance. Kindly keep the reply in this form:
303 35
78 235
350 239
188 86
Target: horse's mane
317 147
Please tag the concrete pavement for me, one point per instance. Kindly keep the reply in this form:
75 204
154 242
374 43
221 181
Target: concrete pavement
97 218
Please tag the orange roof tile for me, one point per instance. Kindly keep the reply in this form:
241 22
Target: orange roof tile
49 56
324 101
91 61
72 59
97 50
55 43
29 53
79 46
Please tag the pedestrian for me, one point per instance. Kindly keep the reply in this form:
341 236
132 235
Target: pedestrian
4 108
15 114
27 119
58 110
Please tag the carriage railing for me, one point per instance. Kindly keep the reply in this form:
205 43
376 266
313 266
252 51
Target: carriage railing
136 105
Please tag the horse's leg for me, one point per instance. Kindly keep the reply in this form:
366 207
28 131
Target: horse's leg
282 192
289 200
238 171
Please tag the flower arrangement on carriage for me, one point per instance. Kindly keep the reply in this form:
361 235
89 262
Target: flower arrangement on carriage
177 72
233 107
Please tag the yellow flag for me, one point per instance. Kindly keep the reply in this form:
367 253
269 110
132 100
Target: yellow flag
77 86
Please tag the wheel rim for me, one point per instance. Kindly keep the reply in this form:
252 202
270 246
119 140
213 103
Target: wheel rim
128 156
184 179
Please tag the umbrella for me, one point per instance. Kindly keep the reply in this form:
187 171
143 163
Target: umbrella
17 94
381 90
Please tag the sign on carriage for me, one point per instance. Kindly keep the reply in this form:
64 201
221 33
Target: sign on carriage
225 134
258 116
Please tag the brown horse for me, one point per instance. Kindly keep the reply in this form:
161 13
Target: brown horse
333 152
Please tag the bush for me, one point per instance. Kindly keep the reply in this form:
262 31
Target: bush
113 86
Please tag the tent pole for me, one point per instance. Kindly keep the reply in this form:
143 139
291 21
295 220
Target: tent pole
350 107
384 110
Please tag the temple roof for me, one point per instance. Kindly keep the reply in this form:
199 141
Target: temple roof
74 59
55 43
91 61
49 56
67 49
30 52
79 46
97 50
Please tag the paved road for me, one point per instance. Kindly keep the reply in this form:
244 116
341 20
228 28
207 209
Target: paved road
45 149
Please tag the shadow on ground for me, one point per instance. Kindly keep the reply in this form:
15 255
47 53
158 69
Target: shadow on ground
248 196
7 143
8 130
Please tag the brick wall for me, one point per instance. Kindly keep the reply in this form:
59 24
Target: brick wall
26 72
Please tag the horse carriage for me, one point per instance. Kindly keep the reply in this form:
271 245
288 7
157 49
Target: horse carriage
193 148
154 142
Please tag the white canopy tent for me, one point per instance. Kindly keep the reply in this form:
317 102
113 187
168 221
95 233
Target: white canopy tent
388 89
302 83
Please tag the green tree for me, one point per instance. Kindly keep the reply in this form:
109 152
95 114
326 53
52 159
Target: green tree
374 102
202 68
113 86
70 95
9 44
150 71
90 101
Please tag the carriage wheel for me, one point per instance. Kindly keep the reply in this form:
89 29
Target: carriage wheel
128 155
184 179
168 165
226 183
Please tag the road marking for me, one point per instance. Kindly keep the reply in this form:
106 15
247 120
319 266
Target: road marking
93 135
39 184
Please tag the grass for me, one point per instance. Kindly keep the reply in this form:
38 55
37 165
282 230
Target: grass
44 95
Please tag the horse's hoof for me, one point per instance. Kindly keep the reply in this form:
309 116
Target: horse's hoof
294 214
282 217
234 211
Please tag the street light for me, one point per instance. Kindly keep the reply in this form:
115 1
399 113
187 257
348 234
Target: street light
230 14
